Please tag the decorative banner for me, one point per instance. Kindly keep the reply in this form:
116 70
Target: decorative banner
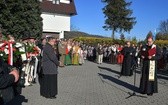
10 55
22 49
152 65
8 49
151 70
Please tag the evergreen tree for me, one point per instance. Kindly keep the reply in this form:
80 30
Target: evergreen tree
150 34
118 16
134 39
122 36
21 18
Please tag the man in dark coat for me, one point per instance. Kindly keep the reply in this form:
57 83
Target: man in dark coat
150 53
129 54
50 65
7 80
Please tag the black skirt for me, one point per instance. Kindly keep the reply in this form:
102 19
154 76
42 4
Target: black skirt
48 85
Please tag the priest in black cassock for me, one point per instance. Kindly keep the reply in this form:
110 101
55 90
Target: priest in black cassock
150 53
129 57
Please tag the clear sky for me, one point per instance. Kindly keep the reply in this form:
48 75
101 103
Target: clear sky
148 13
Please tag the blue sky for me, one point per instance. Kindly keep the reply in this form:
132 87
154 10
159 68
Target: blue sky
148 13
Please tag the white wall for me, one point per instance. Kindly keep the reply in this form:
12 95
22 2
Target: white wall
62 1
65 1
55 23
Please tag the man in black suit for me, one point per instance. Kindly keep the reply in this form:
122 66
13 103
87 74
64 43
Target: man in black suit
7 80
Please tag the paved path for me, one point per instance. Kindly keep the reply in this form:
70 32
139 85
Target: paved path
93 84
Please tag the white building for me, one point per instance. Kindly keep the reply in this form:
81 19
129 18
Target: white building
56 16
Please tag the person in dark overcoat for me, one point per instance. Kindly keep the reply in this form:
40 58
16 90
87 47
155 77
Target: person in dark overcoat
128 61
50 65
8 78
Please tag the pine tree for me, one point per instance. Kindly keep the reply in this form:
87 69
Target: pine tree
150 34
122 36
21 18
118 16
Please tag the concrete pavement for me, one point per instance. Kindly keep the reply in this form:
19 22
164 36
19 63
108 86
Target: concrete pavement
94 84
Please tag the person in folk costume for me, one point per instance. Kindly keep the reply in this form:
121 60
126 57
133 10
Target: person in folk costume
129 54
150 53
62 52
165 52
68 60
25 60
94 53
75 54
114 54
120 57
89 53
162 60
105 53
29 59
85 52
100 54
50 65
33 59
97 46
109 52
81 59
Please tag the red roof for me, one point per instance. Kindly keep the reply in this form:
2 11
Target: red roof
61 8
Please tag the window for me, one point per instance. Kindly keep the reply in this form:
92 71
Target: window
56 1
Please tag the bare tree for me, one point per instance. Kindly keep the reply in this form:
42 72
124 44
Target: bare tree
164 27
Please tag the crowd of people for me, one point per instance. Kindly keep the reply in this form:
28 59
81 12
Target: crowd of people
44 56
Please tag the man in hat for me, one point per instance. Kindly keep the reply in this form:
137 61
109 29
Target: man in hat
33 58
150 53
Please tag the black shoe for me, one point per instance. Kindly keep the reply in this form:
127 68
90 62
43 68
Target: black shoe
142 92
54 97
34 81
150 94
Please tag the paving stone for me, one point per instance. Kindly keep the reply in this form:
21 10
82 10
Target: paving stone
94 84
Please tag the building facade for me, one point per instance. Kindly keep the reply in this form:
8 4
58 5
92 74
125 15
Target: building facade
56 16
